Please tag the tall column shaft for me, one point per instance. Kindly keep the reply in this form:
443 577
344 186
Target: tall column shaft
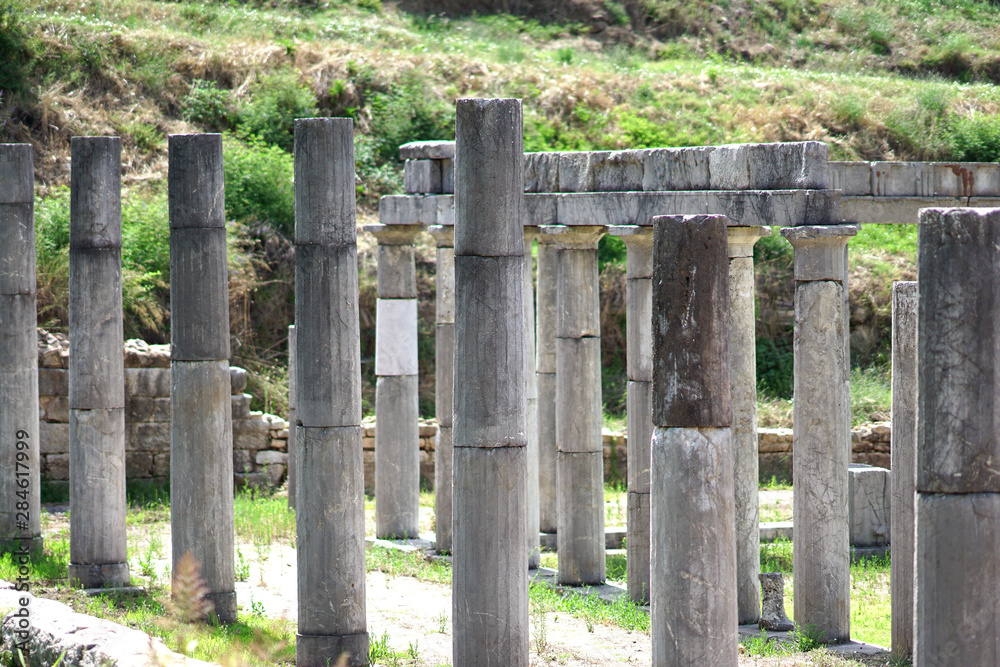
201 427
98 547
20 499
743 376
904 470
639 407
292 481
444 377
545 379
531 397
693 571
821 435
397 435
490 590
580 449
329 518
957 480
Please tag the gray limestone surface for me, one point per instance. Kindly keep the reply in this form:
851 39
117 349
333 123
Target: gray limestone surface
427 150
869 501
773 615
545 376
199 294
397 448
532 526
324 199
195 190
444 368
292 476
903 448
580 507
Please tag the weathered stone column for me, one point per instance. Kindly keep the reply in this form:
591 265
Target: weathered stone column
291 417
531 397
397 434
545 379
444 378
330 521
201 426
639 350
743 376
958 480
903 458
693 570
20 500
97 541
580 449
490 589
821 436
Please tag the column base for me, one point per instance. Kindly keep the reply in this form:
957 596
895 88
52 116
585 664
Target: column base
323 650
14 545
109 575
225 606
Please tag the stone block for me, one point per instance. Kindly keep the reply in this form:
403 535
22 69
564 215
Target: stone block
275 473
443 210
17 238
902 179
53 382
728 168
138 464
53 438
268 457
242 461
147 409
580 517
95 380
422 176
616 171
578 402
147 382
397 278
55 409
447 176
851 178
428 430
241 405
574 172
147 436
251 480
967 179
427 150
17 165
57 466
199 295
541 172
250 434
325 193
196 181
820 253
774 166
140 354
675 168
396 337
161 465
869 498
237 379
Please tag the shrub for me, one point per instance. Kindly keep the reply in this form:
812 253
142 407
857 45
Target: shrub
259 184
976 139
407 113
209 106
277 100
14 52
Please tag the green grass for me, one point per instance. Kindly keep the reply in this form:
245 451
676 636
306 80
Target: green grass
592 609
871 394
263 517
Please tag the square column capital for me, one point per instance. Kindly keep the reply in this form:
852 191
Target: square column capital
820 251
394 234
574 237
443 235
742 239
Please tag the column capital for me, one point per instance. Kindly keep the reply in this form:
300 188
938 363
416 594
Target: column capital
742 239
531 232
394 234
443 235
577 237
638 249
820 250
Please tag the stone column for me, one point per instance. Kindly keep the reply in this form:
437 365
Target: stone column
291 416
743 376
330 520
639 350
957 477
20 501
201 426
904 449
580 449
693 525
397 434
490 589
97 540
531 397
545 379
821 436
444 377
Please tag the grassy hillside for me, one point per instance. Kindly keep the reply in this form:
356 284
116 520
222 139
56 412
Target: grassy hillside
910 79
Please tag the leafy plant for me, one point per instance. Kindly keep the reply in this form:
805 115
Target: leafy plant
277 100
209 106
259 184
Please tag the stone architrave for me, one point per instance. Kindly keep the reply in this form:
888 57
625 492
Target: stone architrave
743 376
329 518
579 444
693 525
904 449
490 589
545 379
19 448
957 480
97 539
444 370
821 433
397 438
201 428
639 321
